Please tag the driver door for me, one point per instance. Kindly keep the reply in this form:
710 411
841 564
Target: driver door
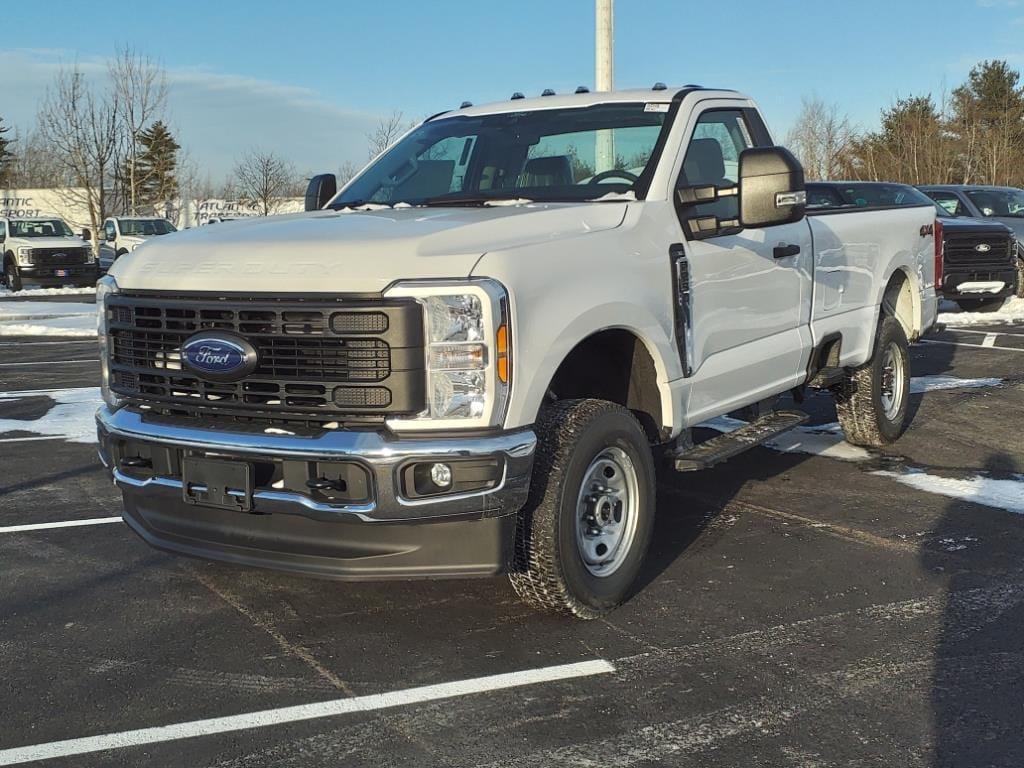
749 289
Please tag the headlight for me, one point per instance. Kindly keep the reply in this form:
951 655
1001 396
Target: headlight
25 255
468 354
90 257
136 245
105 287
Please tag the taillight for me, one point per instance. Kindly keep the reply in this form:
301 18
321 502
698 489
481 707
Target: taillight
939 239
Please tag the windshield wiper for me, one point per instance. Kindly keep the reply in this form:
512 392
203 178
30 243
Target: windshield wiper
474 201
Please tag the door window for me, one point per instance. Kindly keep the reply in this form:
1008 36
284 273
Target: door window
949 201
713 159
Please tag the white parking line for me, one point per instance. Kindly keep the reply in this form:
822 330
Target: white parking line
50 362
63 524
985 333
303 712
989 340
965 344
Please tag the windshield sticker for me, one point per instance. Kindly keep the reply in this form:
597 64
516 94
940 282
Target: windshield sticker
660 106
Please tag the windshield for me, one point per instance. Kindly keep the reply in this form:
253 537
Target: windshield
146 227
543 155
40 228
864 195
998 202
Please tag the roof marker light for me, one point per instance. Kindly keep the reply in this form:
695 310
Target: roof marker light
659 86
465 104
517 95
582 89
548 92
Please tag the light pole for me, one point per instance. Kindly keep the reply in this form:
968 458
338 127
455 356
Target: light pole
604 65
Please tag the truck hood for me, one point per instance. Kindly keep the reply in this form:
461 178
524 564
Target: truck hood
350 251
45 242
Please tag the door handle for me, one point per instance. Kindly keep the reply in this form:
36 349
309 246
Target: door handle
785 250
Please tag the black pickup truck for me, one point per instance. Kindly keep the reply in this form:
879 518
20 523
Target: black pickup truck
980 265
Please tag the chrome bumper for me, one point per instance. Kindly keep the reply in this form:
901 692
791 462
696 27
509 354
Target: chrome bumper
381 453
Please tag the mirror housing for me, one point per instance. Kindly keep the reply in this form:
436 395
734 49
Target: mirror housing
771 187
86 234
320 190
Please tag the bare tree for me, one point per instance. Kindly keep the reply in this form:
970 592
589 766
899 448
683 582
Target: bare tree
387 132
347 172
263 178
80 127
821 138
139 88
36 165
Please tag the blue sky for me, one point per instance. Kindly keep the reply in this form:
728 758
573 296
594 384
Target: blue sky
310 79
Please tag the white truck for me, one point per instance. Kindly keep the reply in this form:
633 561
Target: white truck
469 360
123 234
45 251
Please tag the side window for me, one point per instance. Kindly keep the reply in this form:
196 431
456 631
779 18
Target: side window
713 158
3 231
949 201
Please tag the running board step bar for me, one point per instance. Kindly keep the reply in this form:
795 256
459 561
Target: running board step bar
719 449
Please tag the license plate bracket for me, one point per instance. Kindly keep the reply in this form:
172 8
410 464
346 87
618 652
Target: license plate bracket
218 483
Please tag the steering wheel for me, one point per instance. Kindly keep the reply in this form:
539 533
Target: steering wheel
632 178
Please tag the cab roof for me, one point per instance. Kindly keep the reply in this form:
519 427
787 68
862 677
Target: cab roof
569 100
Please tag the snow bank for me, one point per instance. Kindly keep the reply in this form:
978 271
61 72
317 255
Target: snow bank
1003 494
1012 312
41 318
67 290
72 418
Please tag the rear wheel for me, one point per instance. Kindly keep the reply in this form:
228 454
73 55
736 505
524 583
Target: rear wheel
12 276
872 402
980 305
583 535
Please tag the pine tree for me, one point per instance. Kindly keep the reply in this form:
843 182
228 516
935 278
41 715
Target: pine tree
6 156
157 165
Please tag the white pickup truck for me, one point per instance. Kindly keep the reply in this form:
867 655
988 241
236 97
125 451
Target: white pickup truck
468 361
123 234
44 251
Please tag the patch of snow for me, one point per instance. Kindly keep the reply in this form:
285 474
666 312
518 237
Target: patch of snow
498 203
1002 494
1011 312
71 418
922 384
62 326
67 290
41 318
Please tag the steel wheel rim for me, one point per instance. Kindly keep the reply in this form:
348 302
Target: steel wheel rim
893 381
606 512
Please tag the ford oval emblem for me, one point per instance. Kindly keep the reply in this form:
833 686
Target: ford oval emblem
218 356
983 248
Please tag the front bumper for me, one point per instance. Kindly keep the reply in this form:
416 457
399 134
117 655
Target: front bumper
382 534
985 281
48 275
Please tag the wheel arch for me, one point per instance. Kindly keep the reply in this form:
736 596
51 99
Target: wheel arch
901 299
619 365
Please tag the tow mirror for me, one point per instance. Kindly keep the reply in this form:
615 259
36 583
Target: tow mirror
320 190
771 187
86 235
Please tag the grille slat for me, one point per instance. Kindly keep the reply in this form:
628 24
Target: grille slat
309 360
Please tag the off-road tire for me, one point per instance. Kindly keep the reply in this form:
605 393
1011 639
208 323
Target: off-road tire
549 572
859 399
980 305
11 276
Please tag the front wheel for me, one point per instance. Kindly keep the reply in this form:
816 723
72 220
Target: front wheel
872 402
12 276
583 535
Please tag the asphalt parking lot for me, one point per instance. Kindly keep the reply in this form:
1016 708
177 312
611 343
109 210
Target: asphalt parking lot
800 609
